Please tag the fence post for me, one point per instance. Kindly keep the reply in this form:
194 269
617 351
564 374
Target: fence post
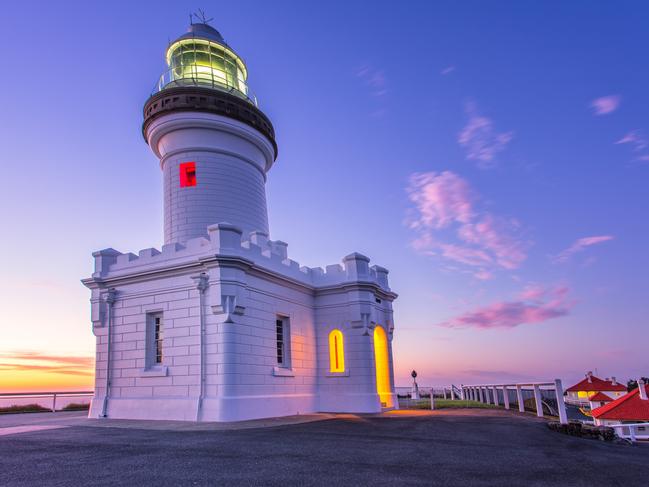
54 402
494 390
506 396
561 405
519 398
432 399
452 393
537 400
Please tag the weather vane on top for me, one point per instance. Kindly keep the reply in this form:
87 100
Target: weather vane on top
199 15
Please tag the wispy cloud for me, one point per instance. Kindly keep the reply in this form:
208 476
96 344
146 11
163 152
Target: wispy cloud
447 70
444 204
529 308
56 364
639 144
580 245
374 79
606 104
637 139
480 139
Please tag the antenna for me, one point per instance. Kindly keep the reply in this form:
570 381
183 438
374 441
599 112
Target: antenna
200 16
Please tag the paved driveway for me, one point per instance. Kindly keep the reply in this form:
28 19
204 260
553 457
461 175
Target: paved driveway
446 447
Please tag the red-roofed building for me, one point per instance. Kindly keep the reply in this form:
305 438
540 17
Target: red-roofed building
630 408
581 392
598 399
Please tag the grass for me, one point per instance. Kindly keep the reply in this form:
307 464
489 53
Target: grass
24 408
444 404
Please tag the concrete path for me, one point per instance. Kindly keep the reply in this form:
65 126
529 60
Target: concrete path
444 447
14 422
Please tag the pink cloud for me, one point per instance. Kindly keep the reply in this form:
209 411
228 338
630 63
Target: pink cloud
441 199
545 305
606 104
580 245
483 275
480 139
445 202
532 293
492 234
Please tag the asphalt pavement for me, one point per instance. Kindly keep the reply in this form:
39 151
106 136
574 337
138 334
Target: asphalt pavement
445 447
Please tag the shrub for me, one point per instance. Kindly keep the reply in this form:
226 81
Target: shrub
24 408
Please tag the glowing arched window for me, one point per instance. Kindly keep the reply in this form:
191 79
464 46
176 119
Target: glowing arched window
381 362
336 352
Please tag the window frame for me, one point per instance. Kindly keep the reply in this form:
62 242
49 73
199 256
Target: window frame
154 356
284 342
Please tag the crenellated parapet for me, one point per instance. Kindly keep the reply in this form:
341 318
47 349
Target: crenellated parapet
227 241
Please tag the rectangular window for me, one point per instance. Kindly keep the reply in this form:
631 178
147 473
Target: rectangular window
283 340
155 338
158 336
187 174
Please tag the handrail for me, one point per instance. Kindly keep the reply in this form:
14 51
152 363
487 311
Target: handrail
171 78
632 431
481 393
38 394
54 395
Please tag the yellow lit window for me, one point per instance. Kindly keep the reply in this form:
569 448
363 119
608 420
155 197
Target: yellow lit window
382 365
336 352
582 394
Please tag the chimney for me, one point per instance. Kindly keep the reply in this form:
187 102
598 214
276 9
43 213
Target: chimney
613 381
589 376
643 390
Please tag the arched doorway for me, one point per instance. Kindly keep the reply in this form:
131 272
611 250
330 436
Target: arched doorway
382 365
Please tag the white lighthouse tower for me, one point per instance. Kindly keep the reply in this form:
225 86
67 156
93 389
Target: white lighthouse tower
219 324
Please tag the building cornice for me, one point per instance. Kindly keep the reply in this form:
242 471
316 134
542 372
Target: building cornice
207 262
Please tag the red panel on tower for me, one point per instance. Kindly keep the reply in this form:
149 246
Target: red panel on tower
187 174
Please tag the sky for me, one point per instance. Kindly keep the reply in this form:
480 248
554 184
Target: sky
493 155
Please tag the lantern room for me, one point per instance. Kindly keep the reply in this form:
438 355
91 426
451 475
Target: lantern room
201 57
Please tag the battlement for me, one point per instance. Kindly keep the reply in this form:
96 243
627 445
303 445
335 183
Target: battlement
225 239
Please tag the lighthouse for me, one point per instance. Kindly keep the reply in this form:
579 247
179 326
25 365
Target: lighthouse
219 324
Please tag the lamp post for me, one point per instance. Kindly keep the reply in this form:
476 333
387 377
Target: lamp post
414 393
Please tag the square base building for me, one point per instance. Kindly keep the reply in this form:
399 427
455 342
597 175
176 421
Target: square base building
220 324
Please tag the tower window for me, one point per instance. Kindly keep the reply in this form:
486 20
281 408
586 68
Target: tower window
283 340
336 352
187 174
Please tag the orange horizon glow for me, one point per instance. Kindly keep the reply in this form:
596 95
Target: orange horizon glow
38 372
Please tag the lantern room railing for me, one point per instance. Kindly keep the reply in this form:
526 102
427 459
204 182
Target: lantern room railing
209 78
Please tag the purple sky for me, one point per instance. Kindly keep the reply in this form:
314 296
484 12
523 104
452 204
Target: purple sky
493 155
